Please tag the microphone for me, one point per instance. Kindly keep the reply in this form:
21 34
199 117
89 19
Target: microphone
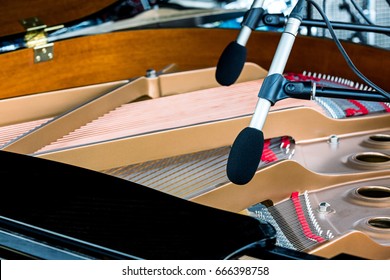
246 151
233 57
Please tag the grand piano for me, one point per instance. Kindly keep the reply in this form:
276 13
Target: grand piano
123 155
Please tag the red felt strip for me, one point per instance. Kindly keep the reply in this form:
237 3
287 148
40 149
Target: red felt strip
302 219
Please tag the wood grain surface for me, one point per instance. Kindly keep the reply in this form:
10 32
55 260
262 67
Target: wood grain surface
49 12
123 55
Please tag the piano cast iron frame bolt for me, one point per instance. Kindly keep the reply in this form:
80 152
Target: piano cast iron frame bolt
333 139
324 207
151 73
334 142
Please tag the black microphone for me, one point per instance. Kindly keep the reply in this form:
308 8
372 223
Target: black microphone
233 57
246 151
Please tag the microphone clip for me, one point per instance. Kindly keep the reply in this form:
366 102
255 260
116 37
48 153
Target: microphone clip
272 88
275 20
253 17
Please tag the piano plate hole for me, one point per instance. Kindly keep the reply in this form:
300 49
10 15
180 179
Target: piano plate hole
376 192
378 141
370 160
380 138
382 223
372 157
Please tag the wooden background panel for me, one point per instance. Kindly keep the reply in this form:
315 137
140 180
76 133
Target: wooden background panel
50 12
127 54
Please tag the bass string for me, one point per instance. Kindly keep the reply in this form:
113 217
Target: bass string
125 120
133 118
181 175
170 112
165 113
341 108
193 176
285 216
11 132
188 174
261 212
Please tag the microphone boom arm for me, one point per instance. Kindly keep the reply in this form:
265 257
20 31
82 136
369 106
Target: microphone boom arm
275 88
279 20
310 90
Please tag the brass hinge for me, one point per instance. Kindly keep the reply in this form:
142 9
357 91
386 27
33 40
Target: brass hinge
37 39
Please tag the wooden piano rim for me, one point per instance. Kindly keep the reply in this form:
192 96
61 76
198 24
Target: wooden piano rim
182 46
51 13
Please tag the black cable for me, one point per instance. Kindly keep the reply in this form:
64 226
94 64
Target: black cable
344 53
360 11
324 9
256 244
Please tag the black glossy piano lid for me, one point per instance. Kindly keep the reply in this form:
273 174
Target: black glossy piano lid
118 214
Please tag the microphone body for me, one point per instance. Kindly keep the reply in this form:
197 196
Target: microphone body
267 99
232 59
244 161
